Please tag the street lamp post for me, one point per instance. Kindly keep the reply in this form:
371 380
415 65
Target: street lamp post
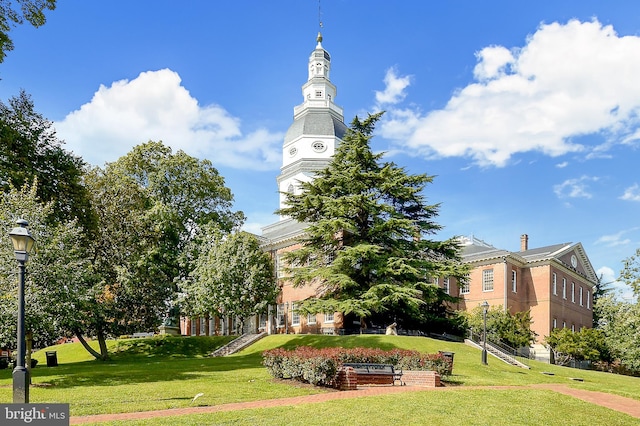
485 307
22 245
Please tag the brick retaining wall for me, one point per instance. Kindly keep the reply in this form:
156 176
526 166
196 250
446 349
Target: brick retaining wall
429 379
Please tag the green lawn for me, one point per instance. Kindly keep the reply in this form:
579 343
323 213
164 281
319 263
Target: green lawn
158 373
458 407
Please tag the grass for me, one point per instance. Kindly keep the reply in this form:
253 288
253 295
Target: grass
466 407
160 373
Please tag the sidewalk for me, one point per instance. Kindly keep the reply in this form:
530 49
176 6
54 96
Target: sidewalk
625 405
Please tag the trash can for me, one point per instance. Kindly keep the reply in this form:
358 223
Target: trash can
52 359
449 357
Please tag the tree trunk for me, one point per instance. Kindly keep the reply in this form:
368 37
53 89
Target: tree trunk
206 324
103 355
102 343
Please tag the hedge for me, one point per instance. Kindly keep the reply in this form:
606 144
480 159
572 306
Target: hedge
320 366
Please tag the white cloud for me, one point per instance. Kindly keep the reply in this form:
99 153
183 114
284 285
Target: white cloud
606 274
566 82
154 106
394 91
493 62
575 188
632 193
617 239
562 165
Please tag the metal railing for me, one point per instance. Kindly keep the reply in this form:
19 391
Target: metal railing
518 355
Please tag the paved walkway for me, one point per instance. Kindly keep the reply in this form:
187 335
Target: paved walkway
614 402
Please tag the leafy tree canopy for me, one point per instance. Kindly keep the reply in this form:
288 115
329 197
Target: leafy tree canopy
55 271
150 204
502 326
620 321
587 344
630 273
16 12
368 244
30 149
232 276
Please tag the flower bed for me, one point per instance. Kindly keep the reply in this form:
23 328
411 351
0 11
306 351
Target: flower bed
320 366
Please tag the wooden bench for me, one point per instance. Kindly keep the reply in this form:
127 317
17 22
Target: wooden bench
141 335
375 374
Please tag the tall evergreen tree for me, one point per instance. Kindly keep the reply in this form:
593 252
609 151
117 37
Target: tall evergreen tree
368 245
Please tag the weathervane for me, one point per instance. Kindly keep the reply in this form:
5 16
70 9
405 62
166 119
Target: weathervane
319 16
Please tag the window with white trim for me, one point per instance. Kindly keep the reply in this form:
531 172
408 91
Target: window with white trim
554 284
311 319
514 281
487 280
580 296
573 292
564 288
588 299
280 315
295 316
573 328
445 285
328 317
464 287
555 323
564 324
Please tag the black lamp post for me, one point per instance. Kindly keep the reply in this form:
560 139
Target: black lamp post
485 307
22 244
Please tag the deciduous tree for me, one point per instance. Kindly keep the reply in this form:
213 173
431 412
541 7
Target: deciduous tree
587 344
55 271
502 326
232 276
16 12
620 322
29 148
150 204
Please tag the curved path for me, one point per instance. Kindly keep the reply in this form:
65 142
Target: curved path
618 403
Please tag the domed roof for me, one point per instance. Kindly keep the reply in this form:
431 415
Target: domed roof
321 123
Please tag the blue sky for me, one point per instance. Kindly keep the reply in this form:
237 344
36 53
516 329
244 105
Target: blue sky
528 113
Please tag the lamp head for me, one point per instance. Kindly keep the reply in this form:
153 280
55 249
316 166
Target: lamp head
22 240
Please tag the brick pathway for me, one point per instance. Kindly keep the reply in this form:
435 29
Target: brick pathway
614 402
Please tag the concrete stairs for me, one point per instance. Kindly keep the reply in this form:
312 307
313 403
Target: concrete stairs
498 353
238 344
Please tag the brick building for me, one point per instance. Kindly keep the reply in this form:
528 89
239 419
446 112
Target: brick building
555 283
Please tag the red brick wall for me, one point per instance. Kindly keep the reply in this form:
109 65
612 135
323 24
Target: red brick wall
429 379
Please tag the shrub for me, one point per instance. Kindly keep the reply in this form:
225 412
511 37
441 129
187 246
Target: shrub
320 366
4 363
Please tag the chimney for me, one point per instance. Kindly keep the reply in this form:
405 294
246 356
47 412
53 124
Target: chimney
524 242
